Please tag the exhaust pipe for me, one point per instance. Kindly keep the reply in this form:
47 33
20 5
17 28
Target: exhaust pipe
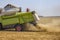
27 10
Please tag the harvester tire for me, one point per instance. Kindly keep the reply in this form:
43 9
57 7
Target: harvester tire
0 26
18 27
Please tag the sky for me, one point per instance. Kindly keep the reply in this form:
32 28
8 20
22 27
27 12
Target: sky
42 7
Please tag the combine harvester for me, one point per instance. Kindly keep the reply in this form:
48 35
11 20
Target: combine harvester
17 19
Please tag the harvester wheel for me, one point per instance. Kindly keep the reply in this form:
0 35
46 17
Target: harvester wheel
0 26
18 28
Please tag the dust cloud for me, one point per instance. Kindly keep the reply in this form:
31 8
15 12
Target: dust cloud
48 24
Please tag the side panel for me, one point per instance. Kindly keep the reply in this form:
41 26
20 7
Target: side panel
26 17
9 20
18 18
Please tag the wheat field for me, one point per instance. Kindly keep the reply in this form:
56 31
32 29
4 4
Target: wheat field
48 28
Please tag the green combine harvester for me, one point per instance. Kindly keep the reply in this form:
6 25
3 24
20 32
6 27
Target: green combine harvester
17 20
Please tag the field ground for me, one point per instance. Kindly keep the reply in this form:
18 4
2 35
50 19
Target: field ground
45 23
6 35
